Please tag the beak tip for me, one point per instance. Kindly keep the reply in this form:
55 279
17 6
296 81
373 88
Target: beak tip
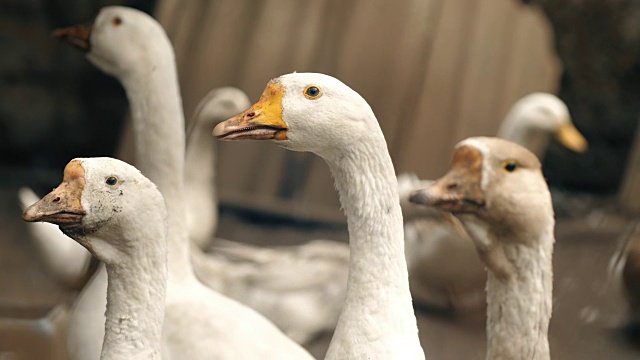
218 130
419 197
29 214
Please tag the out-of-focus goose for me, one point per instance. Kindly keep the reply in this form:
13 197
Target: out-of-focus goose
110 208
444 271
318 113
201 198
199 323
497 190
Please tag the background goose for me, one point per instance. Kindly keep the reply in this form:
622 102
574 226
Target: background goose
318 113
199 323
301 288
201 198
116 213
444 269
498 191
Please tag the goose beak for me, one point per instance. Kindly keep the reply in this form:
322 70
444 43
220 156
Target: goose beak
459 191
571 138
78 36
62 206
262 121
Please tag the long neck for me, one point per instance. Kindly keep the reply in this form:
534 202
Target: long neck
158 122
378 301
136 296
519 308
535 139
200 191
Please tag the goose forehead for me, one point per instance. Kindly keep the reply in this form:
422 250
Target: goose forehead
110 11
483 148
547 104
495 151
101 166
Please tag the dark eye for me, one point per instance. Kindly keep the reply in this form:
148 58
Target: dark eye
116 20
510 165
312 92
111 180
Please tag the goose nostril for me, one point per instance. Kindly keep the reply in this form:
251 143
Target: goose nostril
251 114
452 186
56 199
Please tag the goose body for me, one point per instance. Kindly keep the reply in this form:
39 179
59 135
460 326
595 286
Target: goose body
318 113
301 288
444 269
110 208
497 190
199 323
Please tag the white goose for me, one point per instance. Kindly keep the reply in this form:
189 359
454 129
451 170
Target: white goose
201 198
68 263
108 207
199 323
444 271
320 114
497 190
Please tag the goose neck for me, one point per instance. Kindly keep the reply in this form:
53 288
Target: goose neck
519 308
378 287
158 123
135 297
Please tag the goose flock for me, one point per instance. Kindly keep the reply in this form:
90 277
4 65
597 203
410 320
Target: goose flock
167 288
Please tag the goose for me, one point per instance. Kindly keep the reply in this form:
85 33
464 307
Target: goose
444 270
69 264
318 113
497 190
202 205
110 208
199 323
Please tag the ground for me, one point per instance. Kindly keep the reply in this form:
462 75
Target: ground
588 312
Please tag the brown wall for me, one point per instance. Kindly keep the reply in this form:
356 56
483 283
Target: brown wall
433 71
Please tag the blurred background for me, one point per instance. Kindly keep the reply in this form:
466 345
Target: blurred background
434 72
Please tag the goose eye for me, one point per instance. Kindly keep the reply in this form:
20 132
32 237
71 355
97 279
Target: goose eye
312 92
111 180
116 20
510 165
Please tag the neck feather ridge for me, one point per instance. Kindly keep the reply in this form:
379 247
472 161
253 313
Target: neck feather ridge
519 309
378 287
136 296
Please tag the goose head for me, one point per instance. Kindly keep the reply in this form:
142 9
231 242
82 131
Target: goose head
304 112
96 199
494 180
119 40
222 103
545 113
218 105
